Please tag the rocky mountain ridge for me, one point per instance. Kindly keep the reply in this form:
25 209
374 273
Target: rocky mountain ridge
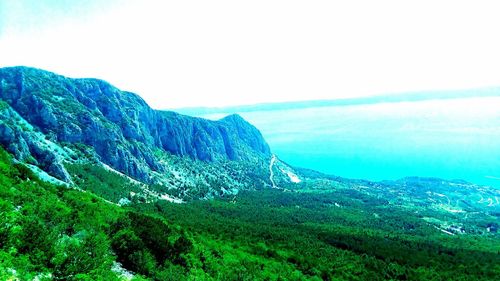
47 119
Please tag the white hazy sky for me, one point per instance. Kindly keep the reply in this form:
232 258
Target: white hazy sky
218 53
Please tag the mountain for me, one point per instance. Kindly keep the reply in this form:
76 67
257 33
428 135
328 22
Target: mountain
91 181
50 121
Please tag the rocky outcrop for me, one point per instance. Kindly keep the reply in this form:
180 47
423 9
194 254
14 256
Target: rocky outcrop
28 146
123 130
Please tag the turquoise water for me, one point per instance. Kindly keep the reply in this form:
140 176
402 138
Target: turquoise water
450 139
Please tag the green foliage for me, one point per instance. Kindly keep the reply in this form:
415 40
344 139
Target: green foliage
50 232
308 236
3 105
106 184
83 252
130 251
67 234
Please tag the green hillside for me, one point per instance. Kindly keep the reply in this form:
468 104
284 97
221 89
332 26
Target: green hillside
54 232
96 185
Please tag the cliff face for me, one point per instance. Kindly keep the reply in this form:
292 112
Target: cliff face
122 129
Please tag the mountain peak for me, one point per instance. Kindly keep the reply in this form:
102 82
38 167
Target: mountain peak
234 118
119 126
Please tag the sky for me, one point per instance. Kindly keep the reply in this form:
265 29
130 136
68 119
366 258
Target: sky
221 53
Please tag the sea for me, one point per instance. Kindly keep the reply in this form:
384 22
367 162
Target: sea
449 139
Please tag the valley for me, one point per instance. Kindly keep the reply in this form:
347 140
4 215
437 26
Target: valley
96 185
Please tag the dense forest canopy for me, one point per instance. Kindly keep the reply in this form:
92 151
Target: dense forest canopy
55 232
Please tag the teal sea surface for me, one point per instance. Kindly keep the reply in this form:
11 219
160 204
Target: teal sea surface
449 139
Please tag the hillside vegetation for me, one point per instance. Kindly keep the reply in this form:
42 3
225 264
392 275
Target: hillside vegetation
55 232
96 185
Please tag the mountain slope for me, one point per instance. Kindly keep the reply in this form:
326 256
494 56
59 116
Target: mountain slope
46 118
342 232
267 220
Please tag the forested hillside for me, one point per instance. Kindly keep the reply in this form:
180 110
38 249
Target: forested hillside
60 233
95 185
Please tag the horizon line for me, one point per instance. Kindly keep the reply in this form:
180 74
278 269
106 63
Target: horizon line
410 96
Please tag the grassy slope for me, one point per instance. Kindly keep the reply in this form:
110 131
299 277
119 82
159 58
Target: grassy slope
309 233
264 235
55 232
